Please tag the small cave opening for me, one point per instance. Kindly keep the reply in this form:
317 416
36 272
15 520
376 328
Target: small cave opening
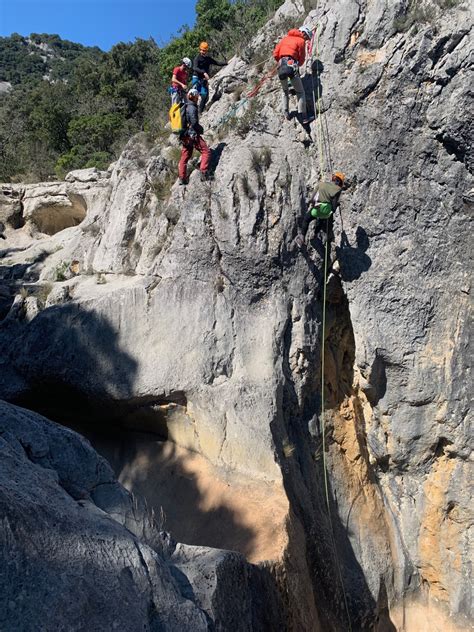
153 447
52 218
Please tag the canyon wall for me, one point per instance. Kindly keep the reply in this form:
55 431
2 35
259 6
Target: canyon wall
188 312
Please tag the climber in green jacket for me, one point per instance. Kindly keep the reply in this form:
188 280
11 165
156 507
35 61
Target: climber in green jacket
322 206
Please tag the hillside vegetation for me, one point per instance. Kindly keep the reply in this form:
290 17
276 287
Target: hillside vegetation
72 106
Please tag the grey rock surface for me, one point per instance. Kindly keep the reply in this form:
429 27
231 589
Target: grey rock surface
78 553
197 297
10 205
66 562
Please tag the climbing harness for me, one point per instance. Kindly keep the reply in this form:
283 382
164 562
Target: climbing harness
322 145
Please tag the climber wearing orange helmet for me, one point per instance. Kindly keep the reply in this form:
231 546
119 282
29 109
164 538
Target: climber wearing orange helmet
322 205
201 66
290 54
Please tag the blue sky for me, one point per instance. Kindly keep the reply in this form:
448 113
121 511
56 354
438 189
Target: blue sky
97 22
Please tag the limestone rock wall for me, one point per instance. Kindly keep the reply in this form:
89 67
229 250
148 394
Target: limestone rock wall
195 298
79 552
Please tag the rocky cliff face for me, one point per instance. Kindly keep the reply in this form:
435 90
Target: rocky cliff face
188 312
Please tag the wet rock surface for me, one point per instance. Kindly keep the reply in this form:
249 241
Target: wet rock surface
191 312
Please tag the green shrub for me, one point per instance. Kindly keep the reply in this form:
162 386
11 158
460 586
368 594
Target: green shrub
245 123
246 188
80 158
161 186
60 272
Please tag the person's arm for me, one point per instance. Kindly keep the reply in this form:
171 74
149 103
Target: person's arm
302 53
315 197
175 80
217 63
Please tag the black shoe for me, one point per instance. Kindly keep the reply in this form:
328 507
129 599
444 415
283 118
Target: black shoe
306 120
206 176
183 181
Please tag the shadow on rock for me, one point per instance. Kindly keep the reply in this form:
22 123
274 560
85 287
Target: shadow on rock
353 259
313 87
75 371
179 486
216 155
331 557
71 359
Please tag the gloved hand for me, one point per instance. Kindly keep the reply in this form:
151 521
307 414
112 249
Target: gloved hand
200 129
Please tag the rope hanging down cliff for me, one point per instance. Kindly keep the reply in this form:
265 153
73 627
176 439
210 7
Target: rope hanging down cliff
255 90
317 108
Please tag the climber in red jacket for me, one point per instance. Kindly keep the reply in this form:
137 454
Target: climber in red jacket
290 54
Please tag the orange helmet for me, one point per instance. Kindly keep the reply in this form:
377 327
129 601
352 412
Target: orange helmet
204 46
340 175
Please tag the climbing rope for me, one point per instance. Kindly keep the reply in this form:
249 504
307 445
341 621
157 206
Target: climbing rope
323 148
253 92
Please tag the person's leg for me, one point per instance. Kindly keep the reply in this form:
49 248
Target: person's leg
174 97
307 218
300 237
186 154
202 146
300 94
285 96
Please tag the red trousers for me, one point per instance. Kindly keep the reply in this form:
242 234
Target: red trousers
189 144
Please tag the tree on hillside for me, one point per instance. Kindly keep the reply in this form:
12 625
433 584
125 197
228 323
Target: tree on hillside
74 106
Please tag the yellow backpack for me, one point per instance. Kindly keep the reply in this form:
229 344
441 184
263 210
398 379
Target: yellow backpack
177 116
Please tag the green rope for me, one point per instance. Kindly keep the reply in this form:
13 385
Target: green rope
323 330
323 343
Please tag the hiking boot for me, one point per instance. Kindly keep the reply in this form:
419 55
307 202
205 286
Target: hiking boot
183 181
299 241
287 115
